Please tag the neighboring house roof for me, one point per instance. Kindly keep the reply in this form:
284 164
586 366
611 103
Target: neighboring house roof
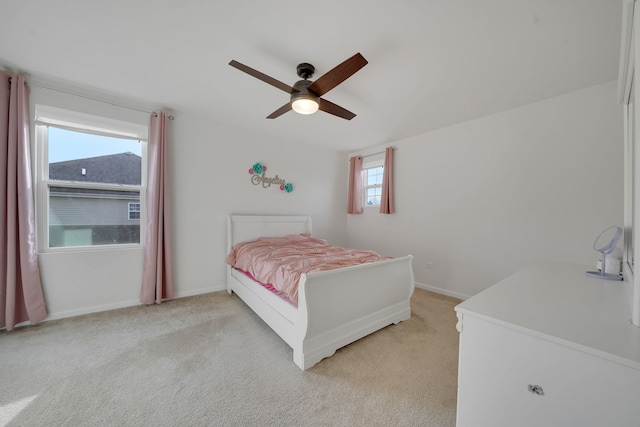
123 168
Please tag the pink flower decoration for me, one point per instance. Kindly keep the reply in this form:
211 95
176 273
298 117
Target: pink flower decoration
264 168
251 171
282 187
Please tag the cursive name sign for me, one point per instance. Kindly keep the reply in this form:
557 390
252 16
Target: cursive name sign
266 181
258 177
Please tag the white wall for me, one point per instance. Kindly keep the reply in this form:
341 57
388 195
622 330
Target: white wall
209 176
479 200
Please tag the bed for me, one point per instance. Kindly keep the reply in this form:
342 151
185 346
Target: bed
334 308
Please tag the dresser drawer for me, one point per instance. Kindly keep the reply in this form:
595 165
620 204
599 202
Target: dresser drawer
508 377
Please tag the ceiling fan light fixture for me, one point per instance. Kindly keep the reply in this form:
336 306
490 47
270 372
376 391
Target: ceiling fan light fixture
304 105
303 101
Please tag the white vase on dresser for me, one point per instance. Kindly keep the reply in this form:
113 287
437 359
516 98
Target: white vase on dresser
548 346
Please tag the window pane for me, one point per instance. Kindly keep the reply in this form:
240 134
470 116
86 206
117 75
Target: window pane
373 196
374 176
371 178
87 217
83 157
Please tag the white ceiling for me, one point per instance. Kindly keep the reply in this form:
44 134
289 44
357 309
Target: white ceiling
432 63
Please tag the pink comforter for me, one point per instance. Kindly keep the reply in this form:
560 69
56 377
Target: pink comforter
280 261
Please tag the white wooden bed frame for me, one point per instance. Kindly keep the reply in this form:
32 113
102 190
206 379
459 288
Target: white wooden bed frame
336 307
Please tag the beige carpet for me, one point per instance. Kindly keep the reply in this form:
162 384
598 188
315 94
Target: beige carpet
210 361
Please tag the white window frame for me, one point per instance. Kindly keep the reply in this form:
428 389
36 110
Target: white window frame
366 165
80 122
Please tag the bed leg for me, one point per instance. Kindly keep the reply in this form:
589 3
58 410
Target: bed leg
306 361
298 359
405 316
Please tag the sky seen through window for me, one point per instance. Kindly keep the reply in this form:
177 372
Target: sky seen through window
71 145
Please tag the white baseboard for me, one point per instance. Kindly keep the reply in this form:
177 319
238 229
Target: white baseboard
201 291
92 309
121 304
442 291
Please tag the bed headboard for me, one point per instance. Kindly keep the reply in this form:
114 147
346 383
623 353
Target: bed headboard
242 228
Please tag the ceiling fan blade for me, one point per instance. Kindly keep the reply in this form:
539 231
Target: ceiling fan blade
257 74
338 74
336 110
280 111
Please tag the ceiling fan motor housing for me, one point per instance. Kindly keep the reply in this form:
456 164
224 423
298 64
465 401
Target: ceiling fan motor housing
302 91
305 70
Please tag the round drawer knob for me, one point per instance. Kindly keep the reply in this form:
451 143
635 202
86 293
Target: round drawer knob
536 389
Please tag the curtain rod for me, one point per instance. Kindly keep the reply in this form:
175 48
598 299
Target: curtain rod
375 154
128 107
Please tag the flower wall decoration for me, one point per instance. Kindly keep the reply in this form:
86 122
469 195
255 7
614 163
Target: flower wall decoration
258 177
258 168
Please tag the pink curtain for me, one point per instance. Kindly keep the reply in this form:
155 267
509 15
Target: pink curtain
157 275
21 296
354 203
386 204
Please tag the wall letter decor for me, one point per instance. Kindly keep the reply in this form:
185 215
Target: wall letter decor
258 177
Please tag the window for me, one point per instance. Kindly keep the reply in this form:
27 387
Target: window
90 181
372 185
134 211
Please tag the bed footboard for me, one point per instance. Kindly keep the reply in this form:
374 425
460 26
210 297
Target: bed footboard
338 307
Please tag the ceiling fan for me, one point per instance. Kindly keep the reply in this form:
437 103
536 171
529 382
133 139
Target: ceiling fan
306 94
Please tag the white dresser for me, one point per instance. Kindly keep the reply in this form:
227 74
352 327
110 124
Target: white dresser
548 346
